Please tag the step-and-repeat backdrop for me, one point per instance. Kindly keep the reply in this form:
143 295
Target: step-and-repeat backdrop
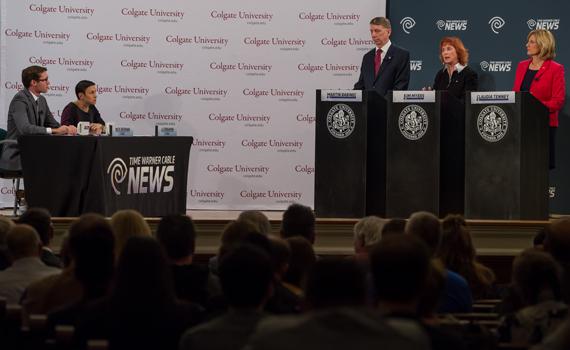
495 33
239 76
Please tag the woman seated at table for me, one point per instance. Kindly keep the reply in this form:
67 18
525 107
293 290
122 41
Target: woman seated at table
84 110
456 76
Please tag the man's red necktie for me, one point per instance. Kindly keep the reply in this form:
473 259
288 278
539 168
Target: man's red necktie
377 61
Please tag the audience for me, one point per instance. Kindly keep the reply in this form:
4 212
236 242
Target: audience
40 219
301 260
232 236
257 218
24 247
246 277
367 232
537 279
400 268
394 227
298 220
456 296
141 311
126 224
91 248
5 225
557 243
283 300
192 282
458 255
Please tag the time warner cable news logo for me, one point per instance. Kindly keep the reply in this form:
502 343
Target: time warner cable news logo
496 66
452 24
496 23
146 174
548 24
407 24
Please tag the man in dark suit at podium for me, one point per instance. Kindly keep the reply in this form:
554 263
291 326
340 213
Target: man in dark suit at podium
387 66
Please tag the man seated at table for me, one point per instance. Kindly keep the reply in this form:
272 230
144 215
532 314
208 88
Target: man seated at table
29 114
83 109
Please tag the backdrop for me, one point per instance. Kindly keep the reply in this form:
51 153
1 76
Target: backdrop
239 76
495 34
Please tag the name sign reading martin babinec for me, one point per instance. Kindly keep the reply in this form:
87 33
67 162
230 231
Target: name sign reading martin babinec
413 96
341 95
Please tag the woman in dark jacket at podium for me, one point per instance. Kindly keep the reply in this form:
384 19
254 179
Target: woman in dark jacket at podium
544 78
456 76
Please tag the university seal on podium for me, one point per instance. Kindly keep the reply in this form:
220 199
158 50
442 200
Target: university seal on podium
341 121
413 122
492 123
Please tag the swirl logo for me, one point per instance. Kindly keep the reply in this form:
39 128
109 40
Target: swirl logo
407 24
484 65
440 24
118 171
496 24
531 23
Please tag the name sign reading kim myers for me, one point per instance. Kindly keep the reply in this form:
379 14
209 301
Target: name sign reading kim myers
341 121
494 97
413 96
341 95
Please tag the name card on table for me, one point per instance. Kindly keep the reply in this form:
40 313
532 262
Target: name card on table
479 98
83 128
341 95
413 96
122 131
165 129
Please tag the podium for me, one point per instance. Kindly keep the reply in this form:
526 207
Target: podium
506 157
383 157
350 153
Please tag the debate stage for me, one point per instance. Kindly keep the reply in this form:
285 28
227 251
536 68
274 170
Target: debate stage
497 242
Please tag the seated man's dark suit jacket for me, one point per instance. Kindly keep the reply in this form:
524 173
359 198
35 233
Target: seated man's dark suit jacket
25 116
394 73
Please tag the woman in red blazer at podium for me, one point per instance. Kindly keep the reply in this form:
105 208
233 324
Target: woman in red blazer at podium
543 77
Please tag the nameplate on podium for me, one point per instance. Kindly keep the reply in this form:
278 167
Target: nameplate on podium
341 95
83 128
492 97
413 97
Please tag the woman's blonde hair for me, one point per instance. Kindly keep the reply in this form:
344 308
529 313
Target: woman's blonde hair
546 43
126 224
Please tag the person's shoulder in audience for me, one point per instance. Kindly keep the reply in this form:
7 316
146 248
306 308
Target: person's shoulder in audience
456 295
51 293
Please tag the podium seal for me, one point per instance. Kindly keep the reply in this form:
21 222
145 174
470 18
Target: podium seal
413 122
492 123
341 121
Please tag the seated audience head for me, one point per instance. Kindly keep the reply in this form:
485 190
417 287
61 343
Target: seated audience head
453 43
144 278
246 277
86 92
367 231
259 219
537 277
298 220
234 233
23 241
39 219
557 241
538 239
395 226
279 253
426 227
177 235
126 224
335 282
400 268
5 225
301 261
92 250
